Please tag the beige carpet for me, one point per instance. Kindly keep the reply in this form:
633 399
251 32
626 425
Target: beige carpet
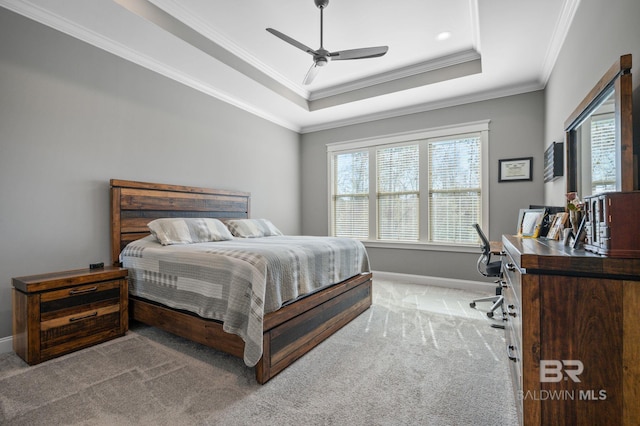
419 356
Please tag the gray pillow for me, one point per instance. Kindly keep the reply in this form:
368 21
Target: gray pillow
252 228
188 230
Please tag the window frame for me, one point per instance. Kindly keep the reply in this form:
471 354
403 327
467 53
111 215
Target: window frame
421 137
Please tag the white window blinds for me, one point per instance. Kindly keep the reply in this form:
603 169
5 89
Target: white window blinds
422 187
351 195
398 175
454 189
603 155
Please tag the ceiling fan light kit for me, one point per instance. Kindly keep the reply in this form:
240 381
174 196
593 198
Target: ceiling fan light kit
321 56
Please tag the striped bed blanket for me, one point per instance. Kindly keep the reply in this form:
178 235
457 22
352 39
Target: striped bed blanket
238 281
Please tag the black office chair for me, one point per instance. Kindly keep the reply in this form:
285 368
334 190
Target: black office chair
489 269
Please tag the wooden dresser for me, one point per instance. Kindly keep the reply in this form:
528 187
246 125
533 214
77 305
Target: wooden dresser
573 334
61 312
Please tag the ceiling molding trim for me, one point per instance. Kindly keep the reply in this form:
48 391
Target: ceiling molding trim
419 80
74 30
416 109
431 132
178 11
408 71
558 37
475 24
177 28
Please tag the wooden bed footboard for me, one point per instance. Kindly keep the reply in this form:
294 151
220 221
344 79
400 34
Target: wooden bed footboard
288 333
324 314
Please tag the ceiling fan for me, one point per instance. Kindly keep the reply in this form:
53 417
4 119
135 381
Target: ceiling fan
321 56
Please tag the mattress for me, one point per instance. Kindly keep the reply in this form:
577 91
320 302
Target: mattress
238 281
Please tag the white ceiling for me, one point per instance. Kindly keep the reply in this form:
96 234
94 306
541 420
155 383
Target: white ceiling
221 47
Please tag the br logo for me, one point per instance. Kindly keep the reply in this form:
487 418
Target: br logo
554 370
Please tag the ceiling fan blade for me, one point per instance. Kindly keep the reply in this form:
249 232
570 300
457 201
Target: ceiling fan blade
311 74
291 41
366 52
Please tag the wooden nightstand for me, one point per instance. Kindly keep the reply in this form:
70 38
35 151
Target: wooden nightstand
58 313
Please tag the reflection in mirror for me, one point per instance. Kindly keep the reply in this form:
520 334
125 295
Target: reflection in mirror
600 138
596 149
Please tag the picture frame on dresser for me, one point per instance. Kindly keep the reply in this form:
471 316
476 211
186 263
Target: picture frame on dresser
553 229
558 224
529 222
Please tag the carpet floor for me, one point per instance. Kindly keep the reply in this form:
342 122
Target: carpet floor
419 356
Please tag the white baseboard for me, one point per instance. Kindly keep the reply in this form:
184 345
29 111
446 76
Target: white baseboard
6 344
476 286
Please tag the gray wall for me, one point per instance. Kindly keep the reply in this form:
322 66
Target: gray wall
516 130
73 116
600 33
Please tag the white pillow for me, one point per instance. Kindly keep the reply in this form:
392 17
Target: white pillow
252 228
188 230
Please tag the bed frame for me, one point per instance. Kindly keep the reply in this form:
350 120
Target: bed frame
289 332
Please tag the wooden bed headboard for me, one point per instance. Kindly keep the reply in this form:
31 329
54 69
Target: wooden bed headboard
134 204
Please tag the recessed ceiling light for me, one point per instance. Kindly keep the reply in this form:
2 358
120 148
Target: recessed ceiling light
443 36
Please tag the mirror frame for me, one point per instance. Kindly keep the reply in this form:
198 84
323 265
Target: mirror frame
618 78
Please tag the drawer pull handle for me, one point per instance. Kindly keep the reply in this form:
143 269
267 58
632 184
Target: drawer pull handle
511 267
510 309
510 355
74 319
86 290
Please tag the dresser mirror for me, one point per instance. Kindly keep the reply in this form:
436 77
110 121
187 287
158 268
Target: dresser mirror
599 136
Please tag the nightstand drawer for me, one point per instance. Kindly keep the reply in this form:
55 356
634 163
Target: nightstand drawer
70 301
59 330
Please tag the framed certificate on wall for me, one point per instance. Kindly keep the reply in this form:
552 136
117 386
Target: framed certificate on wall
515 169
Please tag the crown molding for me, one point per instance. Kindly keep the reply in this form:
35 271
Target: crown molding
45 17
558 37
178 11
408 71
430 106
475 24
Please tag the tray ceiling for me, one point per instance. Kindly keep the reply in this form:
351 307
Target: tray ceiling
494 48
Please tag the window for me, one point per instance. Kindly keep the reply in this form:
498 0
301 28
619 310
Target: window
398 175
425 187
454 189
603 154
351 195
